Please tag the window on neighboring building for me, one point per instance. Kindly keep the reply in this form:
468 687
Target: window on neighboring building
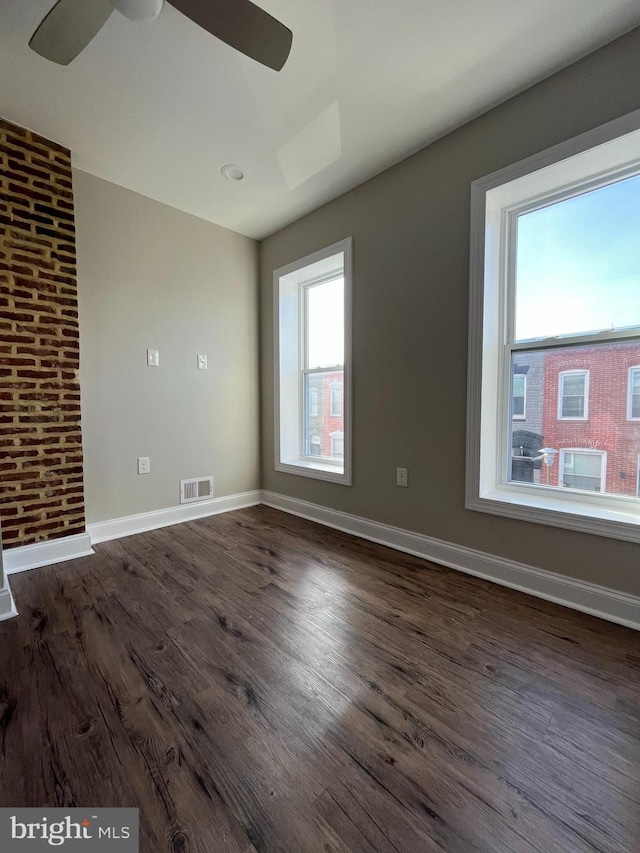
555 283
633 409
312 310
337 444
573 394
519 394
335 404
313 402
581 469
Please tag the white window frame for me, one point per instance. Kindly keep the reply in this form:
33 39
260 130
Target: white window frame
632 370
523 416
586 451
595 158
289 318
561 377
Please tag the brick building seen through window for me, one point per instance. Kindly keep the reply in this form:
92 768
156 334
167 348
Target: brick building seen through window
325 427
584 403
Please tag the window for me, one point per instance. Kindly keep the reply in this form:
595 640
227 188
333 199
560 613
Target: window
580 469
519 394
573 394
633 404
555 285
312 307
335 396
337 444
313 402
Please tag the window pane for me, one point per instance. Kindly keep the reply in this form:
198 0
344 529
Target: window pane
635 393
587 452
313 402
518 396
573 407
573 389
518 407
582 471
322 428
518 386
578 264
589 464
573 385
337 445
335 400
325 324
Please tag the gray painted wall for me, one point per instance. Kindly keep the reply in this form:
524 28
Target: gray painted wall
410 227
151 276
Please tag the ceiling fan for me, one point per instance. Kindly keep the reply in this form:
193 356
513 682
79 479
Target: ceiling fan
71 24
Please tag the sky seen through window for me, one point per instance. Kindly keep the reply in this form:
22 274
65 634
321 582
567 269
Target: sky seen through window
578 264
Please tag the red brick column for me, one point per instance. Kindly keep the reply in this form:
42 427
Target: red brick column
41 483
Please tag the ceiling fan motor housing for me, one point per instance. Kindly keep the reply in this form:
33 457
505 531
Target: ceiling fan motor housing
139 10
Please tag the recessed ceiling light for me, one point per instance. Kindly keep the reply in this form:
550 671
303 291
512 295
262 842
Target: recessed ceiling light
232 172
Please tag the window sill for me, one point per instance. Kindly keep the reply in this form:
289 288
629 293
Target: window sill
618 519
316 470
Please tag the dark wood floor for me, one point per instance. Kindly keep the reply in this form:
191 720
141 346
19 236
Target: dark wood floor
253 681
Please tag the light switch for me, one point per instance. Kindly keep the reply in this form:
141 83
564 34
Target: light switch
153 357
144 465
202 362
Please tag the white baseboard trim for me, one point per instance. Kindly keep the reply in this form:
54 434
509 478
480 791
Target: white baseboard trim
26 557
596 600
115 528
7 604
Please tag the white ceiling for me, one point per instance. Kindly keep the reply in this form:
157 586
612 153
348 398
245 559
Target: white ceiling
160 107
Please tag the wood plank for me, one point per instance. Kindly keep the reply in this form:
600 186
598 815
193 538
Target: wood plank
255 682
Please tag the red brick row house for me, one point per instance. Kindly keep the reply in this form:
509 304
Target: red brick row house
585 402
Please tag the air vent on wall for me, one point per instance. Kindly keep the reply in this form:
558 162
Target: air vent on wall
198 489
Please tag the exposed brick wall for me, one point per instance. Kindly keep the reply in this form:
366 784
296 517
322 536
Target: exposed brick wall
41 483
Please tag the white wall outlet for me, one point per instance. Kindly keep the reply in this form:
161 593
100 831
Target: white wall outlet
202 362
144 465
402 477
153 357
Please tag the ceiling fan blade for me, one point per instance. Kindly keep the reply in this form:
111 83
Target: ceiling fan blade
242 25
68 28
